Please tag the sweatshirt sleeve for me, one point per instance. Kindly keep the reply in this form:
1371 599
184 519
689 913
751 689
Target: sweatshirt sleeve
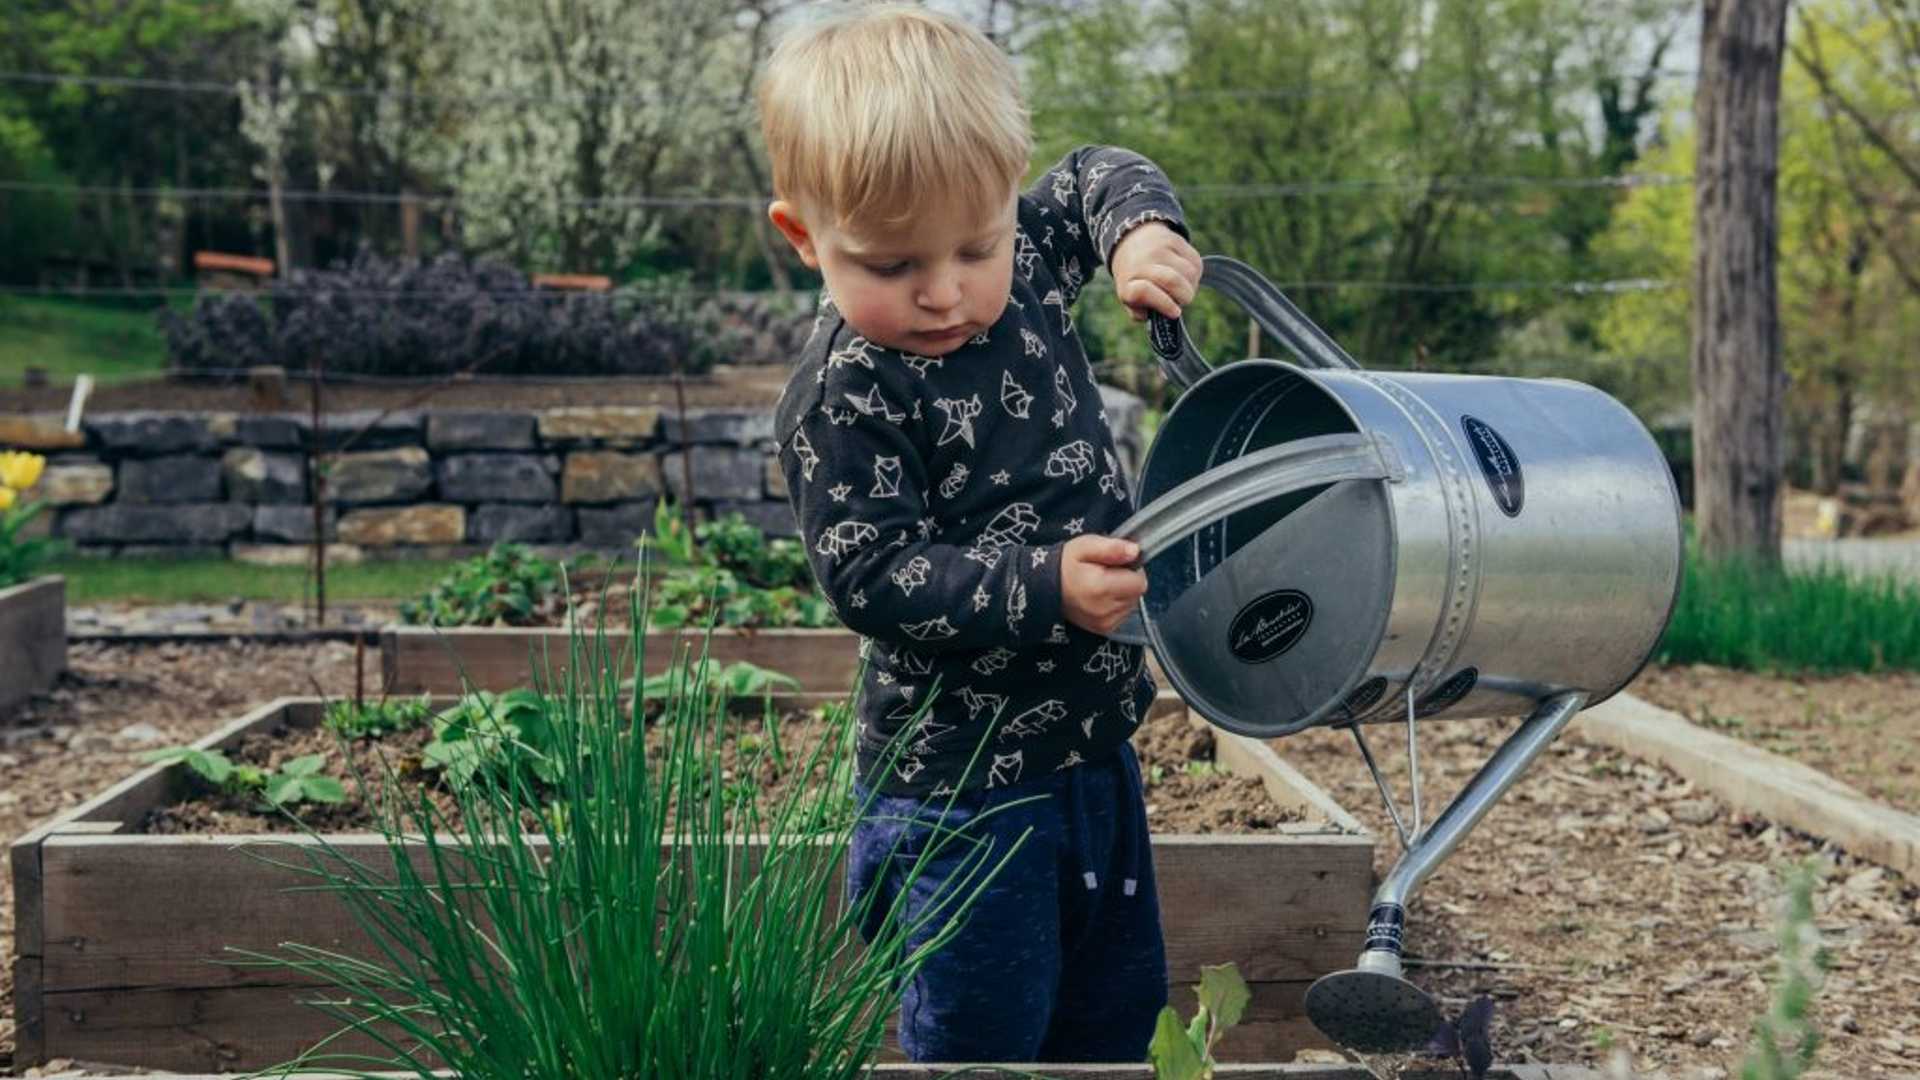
1087 202
858 484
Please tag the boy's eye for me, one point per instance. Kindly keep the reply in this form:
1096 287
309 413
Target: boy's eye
893 269
980 253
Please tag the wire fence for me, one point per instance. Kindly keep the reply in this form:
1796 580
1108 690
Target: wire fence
512 96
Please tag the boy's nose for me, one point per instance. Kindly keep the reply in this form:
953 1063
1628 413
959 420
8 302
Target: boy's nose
940 293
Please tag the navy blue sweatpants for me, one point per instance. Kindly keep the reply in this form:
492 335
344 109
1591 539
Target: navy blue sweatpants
1061 958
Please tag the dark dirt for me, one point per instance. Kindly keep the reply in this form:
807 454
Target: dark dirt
1185 792
1861 729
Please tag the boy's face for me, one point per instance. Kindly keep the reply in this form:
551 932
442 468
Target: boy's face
923 287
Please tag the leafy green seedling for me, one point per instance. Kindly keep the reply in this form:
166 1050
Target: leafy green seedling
738 679
211 765
1186 1053
374 718
299 780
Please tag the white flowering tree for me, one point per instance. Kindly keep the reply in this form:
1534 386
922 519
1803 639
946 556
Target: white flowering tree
595 104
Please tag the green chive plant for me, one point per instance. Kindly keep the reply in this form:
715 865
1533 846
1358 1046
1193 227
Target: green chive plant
647 924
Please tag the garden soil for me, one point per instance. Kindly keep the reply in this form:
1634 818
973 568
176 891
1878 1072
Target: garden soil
1185 793
1863 730
1605 904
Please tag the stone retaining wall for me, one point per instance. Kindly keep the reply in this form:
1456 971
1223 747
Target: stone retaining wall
412 482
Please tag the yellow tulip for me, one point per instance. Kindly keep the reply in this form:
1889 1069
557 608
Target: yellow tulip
20 470
6 498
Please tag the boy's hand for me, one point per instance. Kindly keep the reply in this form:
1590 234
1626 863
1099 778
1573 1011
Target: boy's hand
1154 269
1098 584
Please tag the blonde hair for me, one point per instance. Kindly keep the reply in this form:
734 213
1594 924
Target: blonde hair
877 113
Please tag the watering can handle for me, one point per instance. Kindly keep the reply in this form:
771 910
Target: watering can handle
1247 481
1255 478
1277 317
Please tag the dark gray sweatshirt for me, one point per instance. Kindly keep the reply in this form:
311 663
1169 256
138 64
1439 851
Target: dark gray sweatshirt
934 496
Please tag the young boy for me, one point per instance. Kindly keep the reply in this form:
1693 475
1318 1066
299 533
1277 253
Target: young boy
953 474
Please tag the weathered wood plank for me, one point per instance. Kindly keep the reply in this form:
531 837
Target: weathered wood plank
1235 1071
1282 909
29 1027
1759 781
445 661
252 1027
33 638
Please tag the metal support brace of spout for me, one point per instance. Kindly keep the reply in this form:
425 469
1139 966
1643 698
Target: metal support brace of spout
1476 798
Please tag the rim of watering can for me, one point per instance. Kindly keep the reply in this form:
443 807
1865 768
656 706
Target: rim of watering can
1680 556
1194 695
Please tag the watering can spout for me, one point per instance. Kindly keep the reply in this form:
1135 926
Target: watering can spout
1371 1007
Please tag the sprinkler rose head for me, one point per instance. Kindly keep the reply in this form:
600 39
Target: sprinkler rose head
1372 1012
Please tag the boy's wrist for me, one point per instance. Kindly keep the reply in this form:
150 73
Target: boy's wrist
1150 218
1040 574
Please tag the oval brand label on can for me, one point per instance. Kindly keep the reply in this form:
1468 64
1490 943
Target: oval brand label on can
1273 623
1498 464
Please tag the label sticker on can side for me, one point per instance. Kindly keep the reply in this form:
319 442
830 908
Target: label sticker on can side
1273 623
1457 686
1498 464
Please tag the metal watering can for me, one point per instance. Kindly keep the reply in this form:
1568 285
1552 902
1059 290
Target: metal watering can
1328 546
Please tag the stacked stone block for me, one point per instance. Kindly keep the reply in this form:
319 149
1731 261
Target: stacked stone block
409 482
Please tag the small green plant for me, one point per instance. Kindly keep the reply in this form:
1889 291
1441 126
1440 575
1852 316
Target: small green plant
497 733
1784 1038
372 719
738 679
1186 1052
690 597
671 540
738 545
296 781
508 586
20 558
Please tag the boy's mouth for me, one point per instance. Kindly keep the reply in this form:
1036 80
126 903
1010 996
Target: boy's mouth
951 333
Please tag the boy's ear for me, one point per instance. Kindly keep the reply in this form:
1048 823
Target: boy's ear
786 217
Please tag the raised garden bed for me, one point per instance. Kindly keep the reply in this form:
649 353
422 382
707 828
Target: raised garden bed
33 638
119 935
449 660
1235 1071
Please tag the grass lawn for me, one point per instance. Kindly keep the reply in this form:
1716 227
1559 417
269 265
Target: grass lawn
179 581
70 338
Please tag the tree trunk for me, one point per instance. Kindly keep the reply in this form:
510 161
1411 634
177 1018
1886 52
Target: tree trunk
1738 384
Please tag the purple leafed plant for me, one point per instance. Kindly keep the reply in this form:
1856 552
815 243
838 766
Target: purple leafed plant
379 317
1466 1039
